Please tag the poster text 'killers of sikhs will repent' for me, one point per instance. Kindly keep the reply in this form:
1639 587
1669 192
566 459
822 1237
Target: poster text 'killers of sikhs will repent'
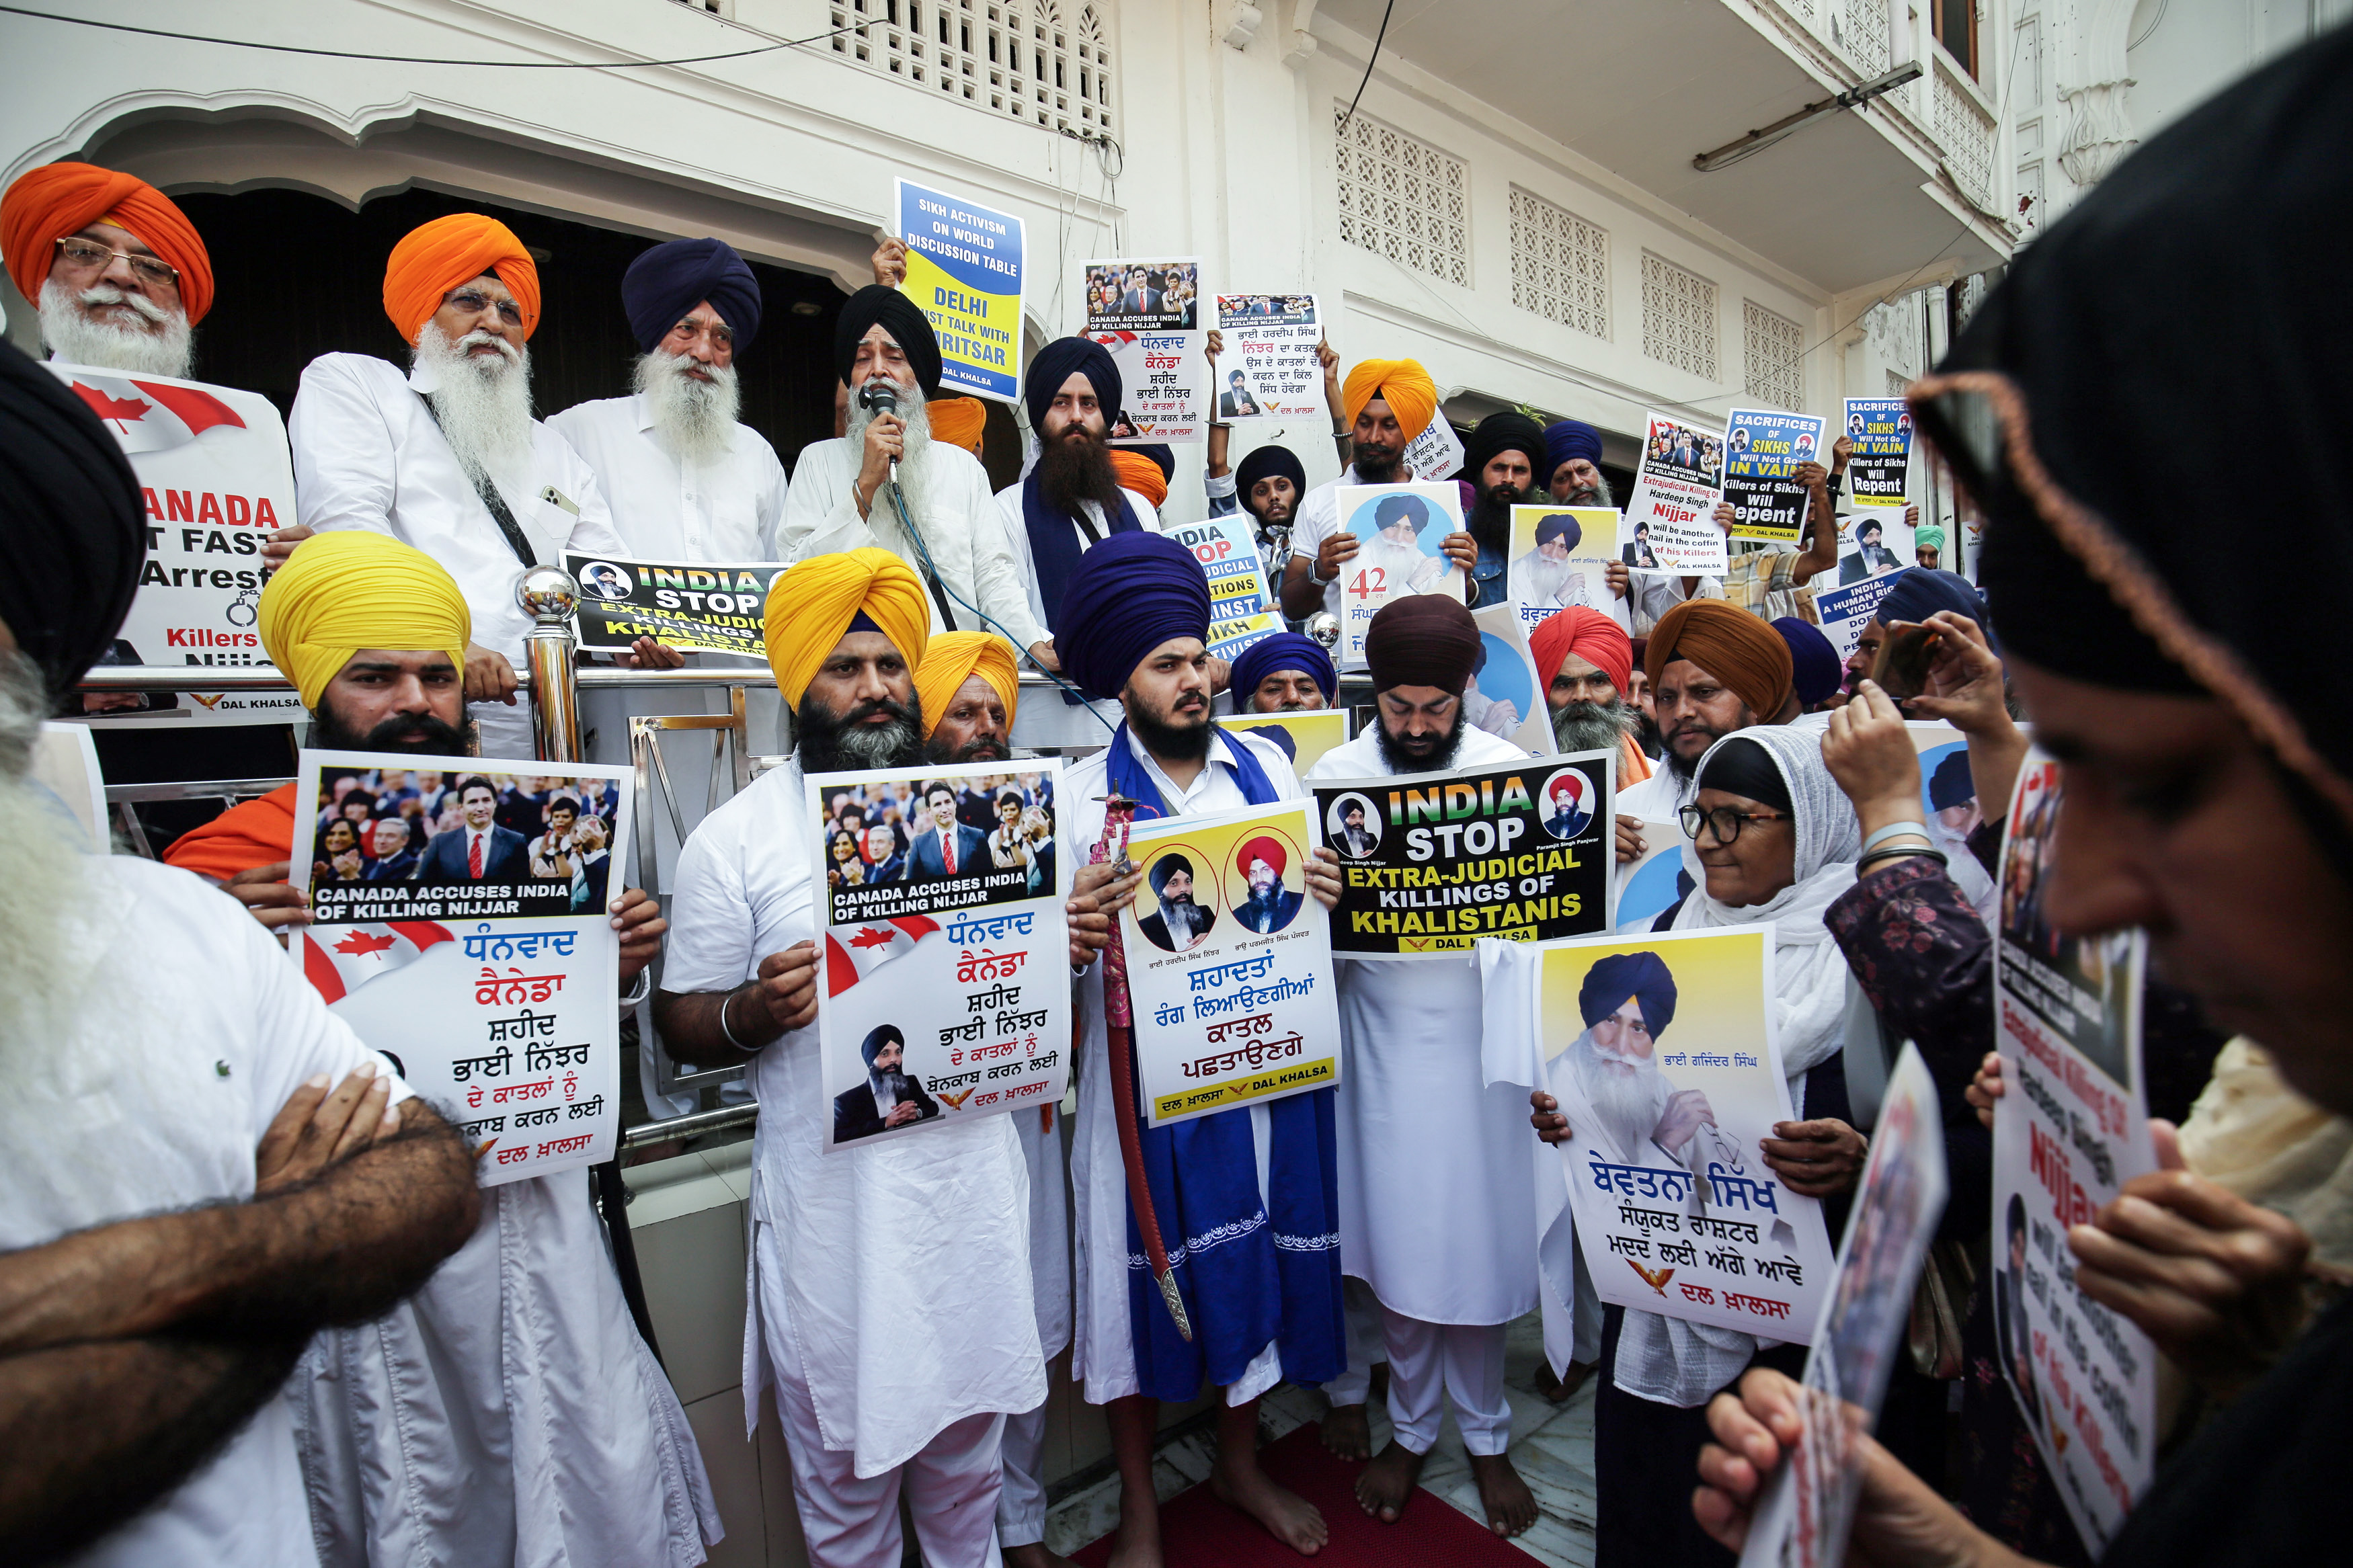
947 992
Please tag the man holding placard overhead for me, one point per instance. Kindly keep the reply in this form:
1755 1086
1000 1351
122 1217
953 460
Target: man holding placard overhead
1436 1210
1135 615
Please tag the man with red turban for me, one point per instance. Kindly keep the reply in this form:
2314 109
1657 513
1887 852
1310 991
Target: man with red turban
118 273
1434 1214
446 455
1587 664
1387 402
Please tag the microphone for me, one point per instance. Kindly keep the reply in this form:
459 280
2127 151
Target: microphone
880 397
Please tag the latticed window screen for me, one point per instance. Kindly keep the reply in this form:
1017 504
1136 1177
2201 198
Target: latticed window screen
1015 57
1404 199
1560 265
1898 383
1771 349
1678 317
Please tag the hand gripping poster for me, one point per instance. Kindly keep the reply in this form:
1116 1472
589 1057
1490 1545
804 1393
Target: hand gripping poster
946 989
1802 1521
965 271
1431 862
1146 314
1763 448
1270 369
1228 963
460 924
1241 611
2070 1129
693 607
1878 470
1669 523
1401 531
217 479
1660 1050
1560 557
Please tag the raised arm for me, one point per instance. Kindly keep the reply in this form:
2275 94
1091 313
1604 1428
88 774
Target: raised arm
1822 547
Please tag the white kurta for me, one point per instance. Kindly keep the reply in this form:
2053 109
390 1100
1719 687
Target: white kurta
193 1030
368 455
1103 1354
725 508
1435 1207
959 522
506 1414
902 1266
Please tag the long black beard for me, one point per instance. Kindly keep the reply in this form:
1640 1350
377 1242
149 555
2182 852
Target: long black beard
1374 471
1490 521
329 733
1070 471
1165 742
1582 726
830 743
1438 762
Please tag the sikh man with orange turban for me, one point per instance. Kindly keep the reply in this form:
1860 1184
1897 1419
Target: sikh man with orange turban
1387 402
523 1333
1713 669
446 455
119 275
879 1278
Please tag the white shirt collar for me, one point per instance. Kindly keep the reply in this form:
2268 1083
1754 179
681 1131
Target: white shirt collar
1221 754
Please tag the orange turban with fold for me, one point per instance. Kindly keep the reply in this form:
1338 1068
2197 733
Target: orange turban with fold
1401 384
955 658
431 260
1141 474
957 421
1744 653
56 200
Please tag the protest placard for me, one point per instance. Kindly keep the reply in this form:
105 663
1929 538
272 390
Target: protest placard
1560 557
1437 453
1763 446
1670 524
1650 884
1146 314
1431 862
1271 370
460 924
1869 539
966 269
1242 610
1802 1521
1400 530
1660 1048
1878 470
1504 696
693 607
217 479
1304 737
945 993
2070 1129
1229 963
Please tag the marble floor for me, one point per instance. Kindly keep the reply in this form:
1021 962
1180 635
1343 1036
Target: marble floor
1552 1447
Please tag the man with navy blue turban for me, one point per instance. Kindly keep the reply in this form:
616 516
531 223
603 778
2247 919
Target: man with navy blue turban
1134 616
1918 593
1628 1001
1285 673
1546 578
1572 463
686 479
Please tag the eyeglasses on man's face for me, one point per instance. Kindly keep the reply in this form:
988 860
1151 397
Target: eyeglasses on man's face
88 256
473 302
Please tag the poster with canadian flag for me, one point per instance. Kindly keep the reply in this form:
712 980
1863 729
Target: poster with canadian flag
946 993
218 480
460 923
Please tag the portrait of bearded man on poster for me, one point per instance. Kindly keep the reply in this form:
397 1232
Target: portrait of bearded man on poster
1631 1111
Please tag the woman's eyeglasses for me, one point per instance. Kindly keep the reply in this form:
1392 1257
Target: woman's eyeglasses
1724 821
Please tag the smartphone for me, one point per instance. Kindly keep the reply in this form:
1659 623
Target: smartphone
1903 659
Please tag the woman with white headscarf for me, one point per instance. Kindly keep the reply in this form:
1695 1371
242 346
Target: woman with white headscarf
1775 839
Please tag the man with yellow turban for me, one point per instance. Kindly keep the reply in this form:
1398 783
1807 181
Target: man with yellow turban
524 1331
863 1263
969 688
1387 402
119 275
446 455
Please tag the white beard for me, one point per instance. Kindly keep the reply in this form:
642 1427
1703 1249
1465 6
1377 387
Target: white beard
1627 1103
167 349
39 991
914 471
696 419
483 403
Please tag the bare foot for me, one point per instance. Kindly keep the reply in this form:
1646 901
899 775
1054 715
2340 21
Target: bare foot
1560 1391
1389 1481
1347 1433
1137 1544
1240 1483
1035 1555
1510 1507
